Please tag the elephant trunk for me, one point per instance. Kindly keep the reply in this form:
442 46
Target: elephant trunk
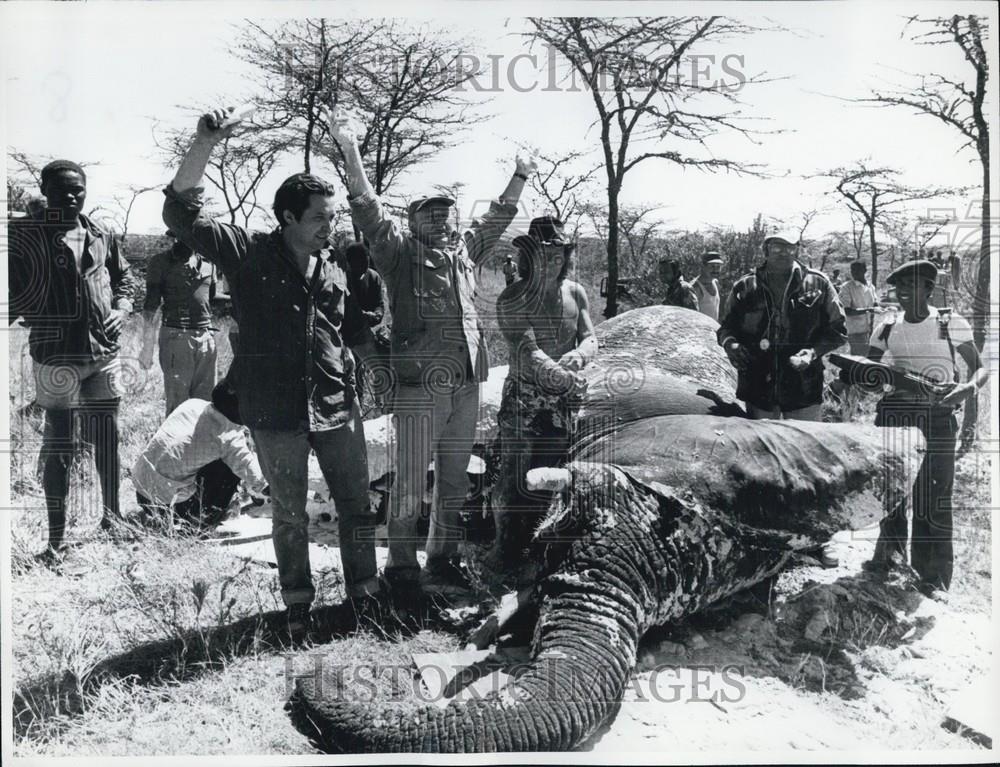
622 556
575 681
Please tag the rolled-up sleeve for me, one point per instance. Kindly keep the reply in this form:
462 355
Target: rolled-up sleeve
382 232
154 292
238 456
484 233
223 244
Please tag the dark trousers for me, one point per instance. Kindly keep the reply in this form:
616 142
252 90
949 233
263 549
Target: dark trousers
216 485
931 552
98 427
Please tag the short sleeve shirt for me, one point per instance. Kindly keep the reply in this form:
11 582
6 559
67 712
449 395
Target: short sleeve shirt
857 295
185 285
922 347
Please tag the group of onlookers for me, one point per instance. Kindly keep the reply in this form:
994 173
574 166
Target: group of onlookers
306 318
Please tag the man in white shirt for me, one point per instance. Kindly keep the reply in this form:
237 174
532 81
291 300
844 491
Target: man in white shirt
196 459
706 285
859 300
927 342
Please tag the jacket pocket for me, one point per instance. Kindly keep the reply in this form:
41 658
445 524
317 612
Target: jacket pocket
430 277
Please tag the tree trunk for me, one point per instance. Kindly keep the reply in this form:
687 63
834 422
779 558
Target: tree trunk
874 246
611 307
981 300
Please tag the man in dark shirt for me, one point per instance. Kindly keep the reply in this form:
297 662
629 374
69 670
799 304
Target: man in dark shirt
185 283
676 291
72 287
780 320
365 310
293 370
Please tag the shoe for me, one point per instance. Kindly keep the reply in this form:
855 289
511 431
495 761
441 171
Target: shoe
377 614
883 564
446 577
933 591
299 622
821 556
827 559
51 559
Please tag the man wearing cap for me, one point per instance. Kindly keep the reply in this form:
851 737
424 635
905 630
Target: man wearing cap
926 341
859 300
438 358
73 288
780 320
293 371
546 322
706 285
676 291
185 284
509 270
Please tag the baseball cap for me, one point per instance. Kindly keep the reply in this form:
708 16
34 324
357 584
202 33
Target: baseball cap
423 202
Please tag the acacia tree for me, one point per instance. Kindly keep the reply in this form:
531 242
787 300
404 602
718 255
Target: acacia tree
126 201
647 108
560 184
872 193
403 82
909 234
957 103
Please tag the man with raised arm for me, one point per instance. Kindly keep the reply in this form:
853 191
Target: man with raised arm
545 320
293 371
438 359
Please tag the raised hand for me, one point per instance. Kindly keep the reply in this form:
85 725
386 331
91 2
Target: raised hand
526 165
340 125
220 123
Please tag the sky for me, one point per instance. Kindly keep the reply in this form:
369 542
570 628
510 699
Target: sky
88 81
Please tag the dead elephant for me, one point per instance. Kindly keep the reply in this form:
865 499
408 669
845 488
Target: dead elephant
656 516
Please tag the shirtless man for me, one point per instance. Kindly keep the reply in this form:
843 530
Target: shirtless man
546 323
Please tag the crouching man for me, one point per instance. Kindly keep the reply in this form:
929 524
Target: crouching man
545 320
293 371
195 461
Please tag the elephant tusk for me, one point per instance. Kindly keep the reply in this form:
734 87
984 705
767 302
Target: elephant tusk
547 478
